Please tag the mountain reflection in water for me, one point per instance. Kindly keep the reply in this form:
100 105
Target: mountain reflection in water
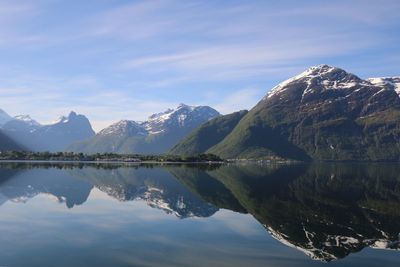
327 211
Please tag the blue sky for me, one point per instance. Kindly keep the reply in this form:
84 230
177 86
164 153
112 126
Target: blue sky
121 59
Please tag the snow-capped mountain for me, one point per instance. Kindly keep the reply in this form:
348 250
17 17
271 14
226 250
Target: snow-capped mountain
124 128
319 78
27 119
51 137
323 113
156 135
391 82
183 116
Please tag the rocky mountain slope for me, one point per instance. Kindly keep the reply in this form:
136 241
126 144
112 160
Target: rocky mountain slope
325 113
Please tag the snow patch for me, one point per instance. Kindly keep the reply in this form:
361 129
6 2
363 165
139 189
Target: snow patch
391 82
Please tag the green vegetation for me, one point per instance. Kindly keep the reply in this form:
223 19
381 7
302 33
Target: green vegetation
208 135
108 157
326 127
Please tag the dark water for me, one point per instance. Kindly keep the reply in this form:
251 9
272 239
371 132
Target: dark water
298 215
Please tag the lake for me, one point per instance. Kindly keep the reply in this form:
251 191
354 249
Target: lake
203 215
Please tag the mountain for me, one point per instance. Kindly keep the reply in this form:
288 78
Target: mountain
52 137
8 144
4 117
208 134
325 113
156 135
122 137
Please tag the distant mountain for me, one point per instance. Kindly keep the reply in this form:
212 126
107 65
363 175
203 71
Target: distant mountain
28 120
8 144
52 137
121 137
325 113
156 135
208 134
4 117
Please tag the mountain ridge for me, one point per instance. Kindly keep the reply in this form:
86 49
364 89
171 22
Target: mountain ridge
324 113
154 136
52 137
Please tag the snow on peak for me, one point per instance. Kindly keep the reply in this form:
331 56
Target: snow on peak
392 82
155 123
166 114
65 119
328 77
61 119
124 127
184 106
181 116
27 119
158 123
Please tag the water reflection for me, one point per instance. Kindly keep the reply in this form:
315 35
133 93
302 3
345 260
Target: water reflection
327 211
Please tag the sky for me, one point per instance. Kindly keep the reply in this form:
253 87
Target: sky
125 59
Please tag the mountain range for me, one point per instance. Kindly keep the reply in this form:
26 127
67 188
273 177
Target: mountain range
155 136
54 137
324 113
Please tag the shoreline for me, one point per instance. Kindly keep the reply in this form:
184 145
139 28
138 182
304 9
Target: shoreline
110 162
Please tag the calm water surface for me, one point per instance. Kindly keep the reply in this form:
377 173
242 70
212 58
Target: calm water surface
297 215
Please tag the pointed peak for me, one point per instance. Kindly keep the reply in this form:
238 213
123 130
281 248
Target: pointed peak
182 105
319 70
328 76
323 66
187 107
72 114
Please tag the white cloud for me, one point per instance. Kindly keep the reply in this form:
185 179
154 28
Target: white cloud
239 100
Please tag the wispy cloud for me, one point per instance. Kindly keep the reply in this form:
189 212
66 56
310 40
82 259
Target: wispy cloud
239 100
